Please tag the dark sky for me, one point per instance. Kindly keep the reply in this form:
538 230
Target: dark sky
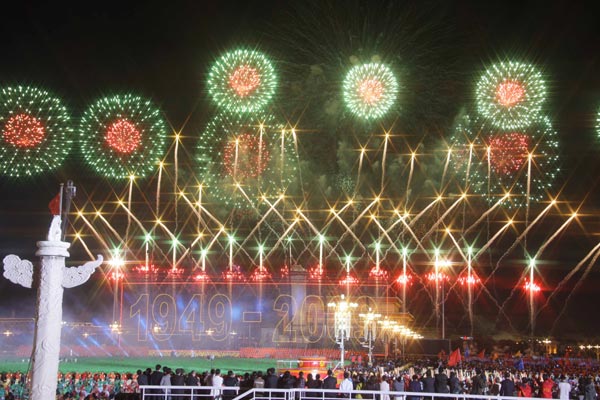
163 49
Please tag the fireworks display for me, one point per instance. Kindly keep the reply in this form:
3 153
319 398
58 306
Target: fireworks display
246 160
242 81
36 131
123 136
510 95
495 162
508 152
246 156
370 90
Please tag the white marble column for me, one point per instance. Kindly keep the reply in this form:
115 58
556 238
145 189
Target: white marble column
53 277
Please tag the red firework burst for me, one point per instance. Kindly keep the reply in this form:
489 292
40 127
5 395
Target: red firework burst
23 130
508 152
244 80
123 136
370 91
510 93
245 157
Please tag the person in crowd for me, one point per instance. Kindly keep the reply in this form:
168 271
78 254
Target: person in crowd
346 386
428 383
564 388
231 380
398 386
165 382
178 379
454 383
441 382
547 387
507 386
525 389
384 388
217 382
416 386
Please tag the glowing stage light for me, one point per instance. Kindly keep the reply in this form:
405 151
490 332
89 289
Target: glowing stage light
260 274
437 277
469 280
348 280
234 274
202 277
378 273
403 279
531 287
36 132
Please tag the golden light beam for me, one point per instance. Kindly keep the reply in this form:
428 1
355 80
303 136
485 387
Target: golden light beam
485 214
489 243
554 235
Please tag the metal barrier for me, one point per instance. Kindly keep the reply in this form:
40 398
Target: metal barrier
233 393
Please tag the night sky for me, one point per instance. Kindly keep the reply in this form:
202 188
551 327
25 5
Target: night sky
163 50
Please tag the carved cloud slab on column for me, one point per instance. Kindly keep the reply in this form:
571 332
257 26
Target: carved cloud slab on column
75 276
18 271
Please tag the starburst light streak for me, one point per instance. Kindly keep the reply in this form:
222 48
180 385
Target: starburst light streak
36 132
510 95
238 152
598 123
370 90
242 81
123 136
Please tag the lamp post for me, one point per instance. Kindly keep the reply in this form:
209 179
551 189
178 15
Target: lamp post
370 331
342 322
116 263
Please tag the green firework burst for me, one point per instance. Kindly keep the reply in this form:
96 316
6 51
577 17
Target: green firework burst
499 162
244 157
370 90
123 136
36 131
242 81
510 95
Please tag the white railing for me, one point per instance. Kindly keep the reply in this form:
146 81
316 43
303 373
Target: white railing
233 393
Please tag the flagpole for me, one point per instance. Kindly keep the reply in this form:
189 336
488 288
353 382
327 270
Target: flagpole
61 199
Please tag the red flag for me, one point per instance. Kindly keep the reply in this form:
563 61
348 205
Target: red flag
454 358
482 354
54 205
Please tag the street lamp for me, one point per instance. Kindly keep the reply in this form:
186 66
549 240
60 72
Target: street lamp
116 263
342 322
370 331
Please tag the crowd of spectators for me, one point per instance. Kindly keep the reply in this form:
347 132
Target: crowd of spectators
414 376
